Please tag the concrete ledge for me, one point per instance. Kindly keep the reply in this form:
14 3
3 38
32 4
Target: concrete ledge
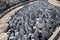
3 27
55 34
3 36
54 2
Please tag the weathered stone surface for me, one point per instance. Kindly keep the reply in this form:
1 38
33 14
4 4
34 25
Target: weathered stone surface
54 2
3 27
3 36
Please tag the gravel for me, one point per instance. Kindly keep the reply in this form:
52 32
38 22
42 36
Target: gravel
35 21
